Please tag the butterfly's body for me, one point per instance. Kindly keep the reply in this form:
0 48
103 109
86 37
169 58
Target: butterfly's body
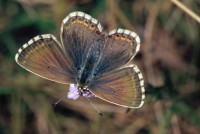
92 63
88 68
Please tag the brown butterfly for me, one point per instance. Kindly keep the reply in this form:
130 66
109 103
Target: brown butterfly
93 63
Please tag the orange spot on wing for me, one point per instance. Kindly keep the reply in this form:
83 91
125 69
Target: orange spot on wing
122 38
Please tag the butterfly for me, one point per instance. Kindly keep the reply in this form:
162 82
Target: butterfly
95 64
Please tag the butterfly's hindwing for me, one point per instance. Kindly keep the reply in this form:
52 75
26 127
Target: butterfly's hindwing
124 87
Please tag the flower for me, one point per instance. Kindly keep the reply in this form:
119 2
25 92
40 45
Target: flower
74 93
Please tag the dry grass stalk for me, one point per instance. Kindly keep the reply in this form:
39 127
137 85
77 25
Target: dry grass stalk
186 10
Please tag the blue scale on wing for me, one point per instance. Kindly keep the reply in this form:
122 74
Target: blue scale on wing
77 40
115 55
92 61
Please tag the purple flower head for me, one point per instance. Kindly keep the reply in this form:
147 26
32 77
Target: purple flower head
74 93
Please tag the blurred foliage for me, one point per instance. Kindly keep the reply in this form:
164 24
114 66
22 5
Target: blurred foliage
169 60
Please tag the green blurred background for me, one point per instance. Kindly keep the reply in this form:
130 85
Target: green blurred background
168 59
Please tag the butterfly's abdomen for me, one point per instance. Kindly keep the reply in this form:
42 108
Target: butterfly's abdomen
92 60
88 69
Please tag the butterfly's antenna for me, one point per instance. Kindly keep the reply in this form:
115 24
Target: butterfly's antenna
99 112
54 104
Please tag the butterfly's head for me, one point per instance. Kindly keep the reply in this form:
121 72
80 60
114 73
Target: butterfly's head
82 89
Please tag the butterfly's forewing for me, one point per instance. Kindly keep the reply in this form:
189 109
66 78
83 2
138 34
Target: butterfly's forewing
120 47
124 87
43 56
79 34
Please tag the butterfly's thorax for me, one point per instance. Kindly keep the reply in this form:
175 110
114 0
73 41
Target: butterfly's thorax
88 68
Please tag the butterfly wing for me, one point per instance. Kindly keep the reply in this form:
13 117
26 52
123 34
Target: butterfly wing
43 56
120 47
124 87
79 34
91 52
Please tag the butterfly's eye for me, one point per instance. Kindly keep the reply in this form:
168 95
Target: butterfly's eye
84 88
79 88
